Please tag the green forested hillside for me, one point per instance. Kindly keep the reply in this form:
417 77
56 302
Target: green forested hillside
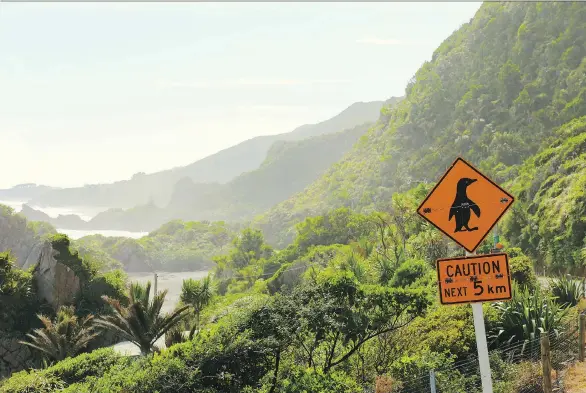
549 218
175 246
288 168
492 92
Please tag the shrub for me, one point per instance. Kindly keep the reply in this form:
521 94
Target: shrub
64 336
94 364
69 371
298 380
442 330
526 315
567 291
522 271
35 382
158 373
217 361
17 297
409 272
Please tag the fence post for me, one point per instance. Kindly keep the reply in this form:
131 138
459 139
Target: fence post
546 363
432 381
582 336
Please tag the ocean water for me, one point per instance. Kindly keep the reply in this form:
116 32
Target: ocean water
76 233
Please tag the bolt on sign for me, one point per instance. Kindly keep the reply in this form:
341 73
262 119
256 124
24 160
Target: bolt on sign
465 205
482 278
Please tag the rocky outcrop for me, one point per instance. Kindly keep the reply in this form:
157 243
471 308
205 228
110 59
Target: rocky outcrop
34 255
56 283
16 236
15 357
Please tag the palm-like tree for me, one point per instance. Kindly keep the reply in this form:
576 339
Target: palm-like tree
197 294
141 322
66 336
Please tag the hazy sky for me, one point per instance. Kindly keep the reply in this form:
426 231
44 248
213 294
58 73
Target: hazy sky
97 92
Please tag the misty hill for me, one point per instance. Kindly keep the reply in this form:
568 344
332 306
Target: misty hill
175 246
493 92
290 166
217 168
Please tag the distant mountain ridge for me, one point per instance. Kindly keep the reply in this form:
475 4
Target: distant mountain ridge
289 165
24 192
289 168
220 167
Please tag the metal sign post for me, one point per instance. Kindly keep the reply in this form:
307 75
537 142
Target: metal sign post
481 344
432 381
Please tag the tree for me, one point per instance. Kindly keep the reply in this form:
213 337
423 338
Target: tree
339 226
64 337
141 321
274 324
338 316
249 246
196 294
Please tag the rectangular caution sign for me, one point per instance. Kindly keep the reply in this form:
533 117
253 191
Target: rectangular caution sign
481 278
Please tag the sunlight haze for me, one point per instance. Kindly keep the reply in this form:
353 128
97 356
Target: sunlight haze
93 93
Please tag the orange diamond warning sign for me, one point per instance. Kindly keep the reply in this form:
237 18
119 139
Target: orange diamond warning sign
479 278
465 205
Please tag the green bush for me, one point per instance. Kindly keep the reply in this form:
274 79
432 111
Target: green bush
35 382
567 291
526 315
156 373
300 380
67 372
442 330
409 272
94 364
17 297
522 271
214 362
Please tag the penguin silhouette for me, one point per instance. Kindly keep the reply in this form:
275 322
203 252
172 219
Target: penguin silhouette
462 206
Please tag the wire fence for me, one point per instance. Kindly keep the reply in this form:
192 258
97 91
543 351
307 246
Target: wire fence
516 367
